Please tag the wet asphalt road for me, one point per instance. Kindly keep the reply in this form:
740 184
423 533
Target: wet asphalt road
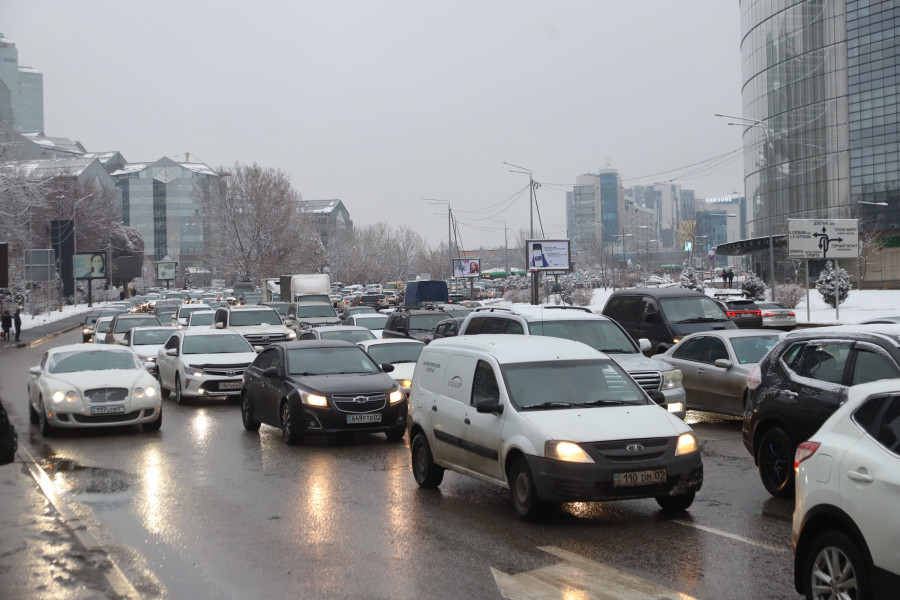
203 509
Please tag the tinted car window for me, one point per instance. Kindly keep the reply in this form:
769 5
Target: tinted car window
599 334
686 309
825 362
695 348
628 309
871 366
717 349
889 433
752 349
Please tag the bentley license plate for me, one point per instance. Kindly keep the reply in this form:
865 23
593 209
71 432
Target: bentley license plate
107 410
364 418
636 478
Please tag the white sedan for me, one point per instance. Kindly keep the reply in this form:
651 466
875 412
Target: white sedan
197 362
92 386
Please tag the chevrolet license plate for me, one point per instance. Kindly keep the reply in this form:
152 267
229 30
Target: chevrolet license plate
364 418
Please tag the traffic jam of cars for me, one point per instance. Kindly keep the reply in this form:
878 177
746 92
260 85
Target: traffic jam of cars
552 403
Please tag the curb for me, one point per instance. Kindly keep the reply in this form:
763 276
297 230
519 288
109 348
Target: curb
50 336
115 577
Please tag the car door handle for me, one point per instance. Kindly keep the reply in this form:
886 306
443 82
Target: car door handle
789 393
467 421
858 476
701 372
434 407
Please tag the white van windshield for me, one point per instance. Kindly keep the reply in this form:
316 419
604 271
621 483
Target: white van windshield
570 384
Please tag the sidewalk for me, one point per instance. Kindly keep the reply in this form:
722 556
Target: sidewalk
33 335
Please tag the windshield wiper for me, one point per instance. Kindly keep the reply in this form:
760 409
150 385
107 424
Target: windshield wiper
701 320
603 402
615 351
550 405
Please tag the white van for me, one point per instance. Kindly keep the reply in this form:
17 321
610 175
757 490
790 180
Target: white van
550 419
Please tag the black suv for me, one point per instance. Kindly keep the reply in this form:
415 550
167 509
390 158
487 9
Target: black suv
801 381
416 323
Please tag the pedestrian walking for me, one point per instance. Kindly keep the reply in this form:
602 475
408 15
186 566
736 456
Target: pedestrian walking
17 321
6 324
730 277
724 277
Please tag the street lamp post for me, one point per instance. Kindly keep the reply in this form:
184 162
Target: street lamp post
532 185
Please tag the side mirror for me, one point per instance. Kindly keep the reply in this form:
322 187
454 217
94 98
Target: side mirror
220 325
258 349
35 370
491 407
387 367
723 363
289 323
657 396
645 345
150 366
172 352
107 330
270 372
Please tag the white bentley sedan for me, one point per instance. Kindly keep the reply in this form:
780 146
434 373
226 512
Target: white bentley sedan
92 386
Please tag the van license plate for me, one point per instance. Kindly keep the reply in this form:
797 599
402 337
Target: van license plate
636 478
107 410
364 418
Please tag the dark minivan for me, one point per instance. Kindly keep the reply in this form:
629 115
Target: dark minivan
665 315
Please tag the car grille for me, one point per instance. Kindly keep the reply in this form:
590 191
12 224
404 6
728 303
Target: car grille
260 339
223 370
649 380
618 450
106 395
116 418
360 403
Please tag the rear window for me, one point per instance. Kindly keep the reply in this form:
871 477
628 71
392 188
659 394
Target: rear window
123 325
625 309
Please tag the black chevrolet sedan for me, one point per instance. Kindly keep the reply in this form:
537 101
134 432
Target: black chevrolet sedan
321 387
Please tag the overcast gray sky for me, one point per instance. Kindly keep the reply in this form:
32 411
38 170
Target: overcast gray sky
382 104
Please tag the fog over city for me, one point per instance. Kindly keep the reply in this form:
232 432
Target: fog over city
386 105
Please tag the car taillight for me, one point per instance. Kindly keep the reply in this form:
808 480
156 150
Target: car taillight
754 378
791 314
768 314
804 451
731 313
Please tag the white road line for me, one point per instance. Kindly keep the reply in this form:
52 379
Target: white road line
732 536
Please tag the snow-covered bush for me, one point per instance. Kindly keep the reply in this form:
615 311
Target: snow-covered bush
833 284
753 287
689 280
789 295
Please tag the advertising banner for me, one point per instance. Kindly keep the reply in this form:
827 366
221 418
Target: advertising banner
547 255
89 265
467 267
165 270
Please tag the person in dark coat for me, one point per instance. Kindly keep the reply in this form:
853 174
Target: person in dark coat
17 321
724 277
730 277
6 324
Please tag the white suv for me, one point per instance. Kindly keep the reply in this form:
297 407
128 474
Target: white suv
550 419
846 523
581 325
260 325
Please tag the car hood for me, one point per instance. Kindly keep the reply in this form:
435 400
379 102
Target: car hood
149 350
638 362
112 378
345 384
231 358
602 423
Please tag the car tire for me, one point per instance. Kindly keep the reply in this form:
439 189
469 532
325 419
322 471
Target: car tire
775 458
675 503
155 425
163 390
395 435
526 503
834 562
289 431
33 417
246 419
179 396
44 425
426 473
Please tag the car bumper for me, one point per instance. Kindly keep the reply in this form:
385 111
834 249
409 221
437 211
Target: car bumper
558 481
212 385
136 413
325 420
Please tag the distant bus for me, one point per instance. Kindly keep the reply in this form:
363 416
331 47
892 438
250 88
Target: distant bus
395 285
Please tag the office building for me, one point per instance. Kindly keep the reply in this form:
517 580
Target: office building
26 88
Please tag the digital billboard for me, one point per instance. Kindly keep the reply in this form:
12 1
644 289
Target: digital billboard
89 265
547 255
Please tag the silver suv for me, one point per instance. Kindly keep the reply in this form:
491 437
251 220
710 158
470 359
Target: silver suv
581 325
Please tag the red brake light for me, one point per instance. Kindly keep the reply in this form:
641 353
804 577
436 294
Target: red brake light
804 451
768 314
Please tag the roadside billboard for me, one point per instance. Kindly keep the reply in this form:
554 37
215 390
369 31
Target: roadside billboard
467 267
89 265
547 255
165 270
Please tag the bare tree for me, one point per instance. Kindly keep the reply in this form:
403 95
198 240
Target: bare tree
257 226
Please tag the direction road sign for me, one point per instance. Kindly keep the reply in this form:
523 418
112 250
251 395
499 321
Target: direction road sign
823 238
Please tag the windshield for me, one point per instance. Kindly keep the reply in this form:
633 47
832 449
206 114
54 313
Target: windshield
201 318
683 310
351 335
215 344
255 317
315 310
123 325
752 349
373 322
72 362
601 335
330 361
426 322
151 336
395 353
567 384
186 310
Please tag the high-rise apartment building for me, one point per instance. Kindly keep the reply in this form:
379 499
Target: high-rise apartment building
820 99
26 89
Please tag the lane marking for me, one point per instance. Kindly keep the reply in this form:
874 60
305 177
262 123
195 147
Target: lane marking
579 578
732 536
116 578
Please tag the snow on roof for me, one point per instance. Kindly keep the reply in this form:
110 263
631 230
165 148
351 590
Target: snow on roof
57 167
198 168
131 168
320 206
137 167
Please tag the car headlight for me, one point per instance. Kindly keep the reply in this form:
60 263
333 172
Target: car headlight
406 383
675 407
292 335
149 391
194 372
315 400
671 379
86 330
687 443
396 396
60 396
566 451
